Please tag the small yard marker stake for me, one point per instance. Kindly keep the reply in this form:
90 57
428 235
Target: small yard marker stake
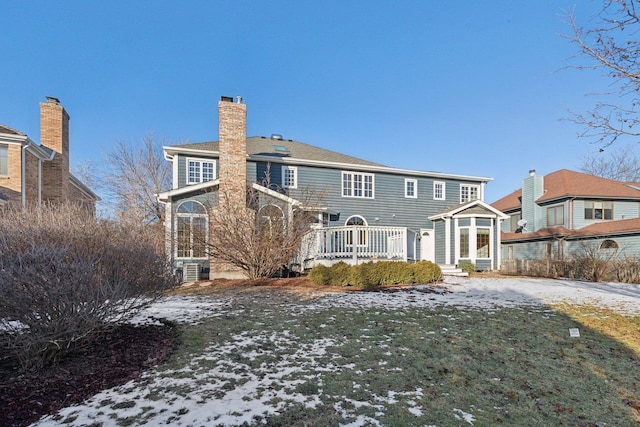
574 332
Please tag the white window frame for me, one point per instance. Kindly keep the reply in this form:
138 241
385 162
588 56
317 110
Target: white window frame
469 188
5 149
443 186
190 216
408 181
358 185
289 177
200 173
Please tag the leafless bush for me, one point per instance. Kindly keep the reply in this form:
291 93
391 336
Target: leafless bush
65 276
261 238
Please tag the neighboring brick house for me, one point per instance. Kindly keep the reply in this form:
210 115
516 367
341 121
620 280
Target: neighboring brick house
369 211
553 216
33 173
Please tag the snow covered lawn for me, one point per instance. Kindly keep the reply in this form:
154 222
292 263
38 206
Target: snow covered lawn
476 351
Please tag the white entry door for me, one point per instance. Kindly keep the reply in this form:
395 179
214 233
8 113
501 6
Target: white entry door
427 245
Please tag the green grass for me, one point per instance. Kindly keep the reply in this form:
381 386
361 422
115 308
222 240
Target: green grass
322 365
515 366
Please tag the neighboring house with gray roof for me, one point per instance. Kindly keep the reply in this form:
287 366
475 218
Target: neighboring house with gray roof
32 173
369 211
564 212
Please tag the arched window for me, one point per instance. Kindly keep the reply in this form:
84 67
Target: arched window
271 216
357 221
192 224
609 244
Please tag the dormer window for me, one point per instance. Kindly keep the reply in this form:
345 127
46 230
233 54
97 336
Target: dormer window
199 170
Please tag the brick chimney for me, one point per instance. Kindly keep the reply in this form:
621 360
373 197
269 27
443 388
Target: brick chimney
54 134
233 151
233 172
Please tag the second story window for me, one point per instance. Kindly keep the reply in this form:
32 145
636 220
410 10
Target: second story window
355 184
598 209
555 215
4 160
200 171
438 190
411 188
289 177
469 193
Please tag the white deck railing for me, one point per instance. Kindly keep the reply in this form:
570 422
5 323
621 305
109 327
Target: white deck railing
360 243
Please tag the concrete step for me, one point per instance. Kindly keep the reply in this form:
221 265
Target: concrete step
452 270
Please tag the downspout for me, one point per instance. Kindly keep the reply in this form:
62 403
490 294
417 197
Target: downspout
23 174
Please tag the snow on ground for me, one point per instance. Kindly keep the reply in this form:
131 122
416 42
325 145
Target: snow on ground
214 389
501 292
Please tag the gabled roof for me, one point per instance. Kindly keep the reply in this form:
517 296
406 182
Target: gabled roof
565 183
473 208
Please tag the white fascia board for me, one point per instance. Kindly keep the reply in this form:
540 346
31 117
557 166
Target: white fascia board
275 194
11 139
166 195
172 151
471 204
367 168
320 163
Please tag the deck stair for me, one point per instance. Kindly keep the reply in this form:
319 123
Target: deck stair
452 270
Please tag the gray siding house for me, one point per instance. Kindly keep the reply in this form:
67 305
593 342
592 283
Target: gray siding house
565 212
368 211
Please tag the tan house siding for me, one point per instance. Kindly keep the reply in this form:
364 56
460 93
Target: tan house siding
46 176
31 178
11 185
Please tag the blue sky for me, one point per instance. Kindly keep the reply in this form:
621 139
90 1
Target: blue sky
465 87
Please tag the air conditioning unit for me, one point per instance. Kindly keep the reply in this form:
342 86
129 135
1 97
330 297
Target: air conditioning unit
191 272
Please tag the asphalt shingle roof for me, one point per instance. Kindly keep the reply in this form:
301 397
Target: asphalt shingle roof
284 148
6 129
566 183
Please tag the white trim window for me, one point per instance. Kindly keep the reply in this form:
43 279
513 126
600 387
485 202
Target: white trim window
478 238
469 193
192 230
199 170
411 188
356 184
4 160
439 188
289 177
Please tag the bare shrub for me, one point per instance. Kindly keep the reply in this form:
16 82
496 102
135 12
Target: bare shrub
65 276
260 239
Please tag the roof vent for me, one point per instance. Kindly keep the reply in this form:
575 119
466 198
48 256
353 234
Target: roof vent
276 136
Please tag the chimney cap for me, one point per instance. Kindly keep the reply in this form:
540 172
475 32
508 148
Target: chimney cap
226 99
53 100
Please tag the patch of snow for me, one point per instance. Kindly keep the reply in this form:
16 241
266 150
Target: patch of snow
469 418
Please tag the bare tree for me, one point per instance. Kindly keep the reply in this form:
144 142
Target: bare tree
621 164
134 174
259 238
611 45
